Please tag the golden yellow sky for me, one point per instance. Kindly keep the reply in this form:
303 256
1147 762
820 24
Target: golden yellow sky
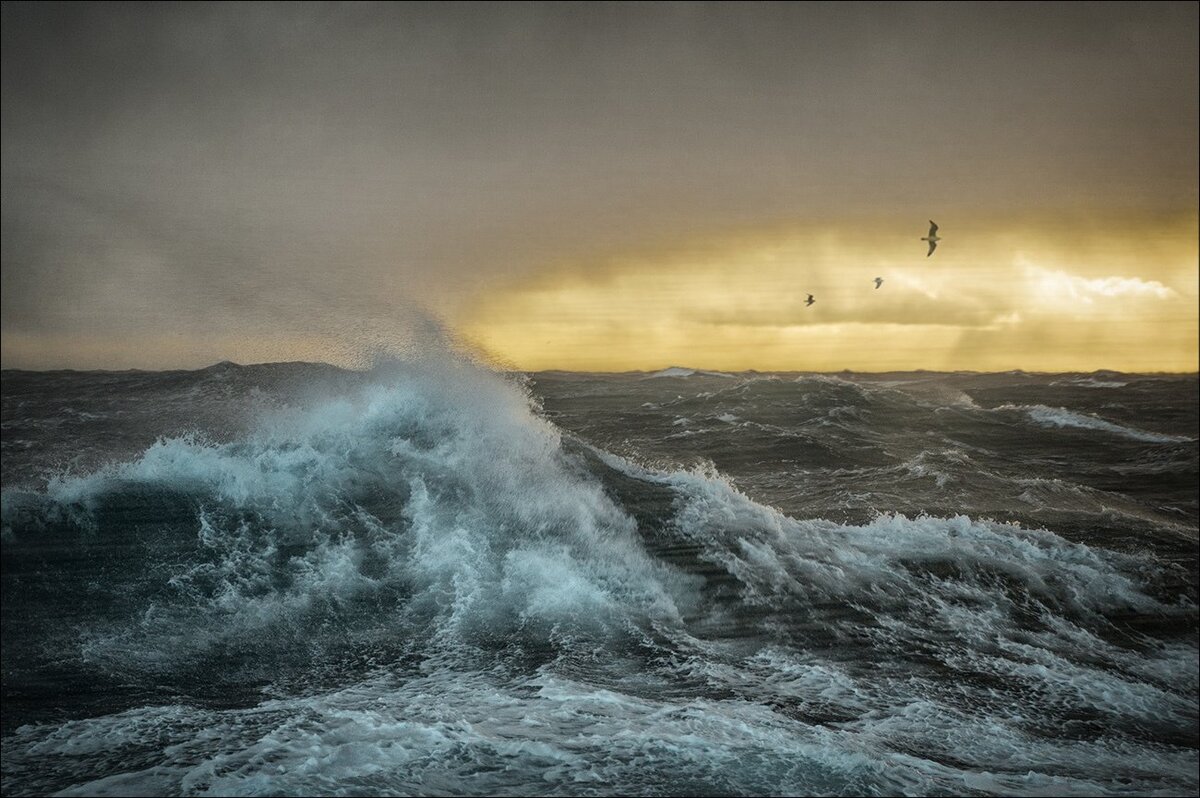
1069 294
1116 293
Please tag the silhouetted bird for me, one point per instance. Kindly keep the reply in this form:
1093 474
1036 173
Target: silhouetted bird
809 301
878 282
932 239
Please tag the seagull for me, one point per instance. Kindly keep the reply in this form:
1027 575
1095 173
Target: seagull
933 238
809 301
879 282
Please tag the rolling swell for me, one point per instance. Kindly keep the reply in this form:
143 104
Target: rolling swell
420 584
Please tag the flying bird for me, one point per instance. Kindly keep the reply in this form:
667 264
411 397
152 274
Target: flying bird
879 282
932 239
809 301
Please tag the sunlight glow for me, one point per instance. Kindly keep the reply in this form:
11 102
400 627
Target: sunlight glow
990 298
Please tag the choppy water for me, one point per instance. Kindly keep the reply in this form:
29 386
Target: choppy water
290 579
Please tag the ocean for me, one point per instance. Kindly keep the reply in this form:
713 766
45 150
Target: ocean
432 578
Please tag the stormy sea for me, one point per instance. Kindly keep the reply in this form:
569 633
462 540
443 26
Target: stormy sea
432 578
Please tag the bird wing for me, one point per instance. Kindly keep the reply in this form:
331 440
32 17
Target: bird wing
932 247
932 228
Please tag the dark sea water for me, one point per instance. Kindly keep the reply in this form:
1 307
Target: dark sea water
432 579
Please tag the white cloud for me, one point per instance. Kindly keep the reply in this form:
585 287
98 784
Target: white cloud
1057 286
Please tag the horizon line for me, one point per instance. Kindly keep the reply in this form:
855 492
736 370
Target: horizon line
695 369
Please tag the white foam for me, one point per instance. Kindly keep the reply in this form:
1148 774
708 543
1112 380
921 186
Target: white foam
1061 417
459 732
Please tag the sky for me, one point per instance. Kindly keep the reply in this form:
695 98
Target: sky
602 186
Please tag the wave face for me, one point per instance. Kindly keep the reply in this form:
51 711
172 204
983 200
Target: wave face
427 578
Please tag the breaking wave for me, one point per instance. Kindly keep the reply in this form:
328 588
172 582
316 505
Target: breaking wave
1061 417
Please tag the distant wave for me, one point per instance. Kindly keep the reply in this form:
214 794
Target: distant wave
679 371
1061 417
1090 382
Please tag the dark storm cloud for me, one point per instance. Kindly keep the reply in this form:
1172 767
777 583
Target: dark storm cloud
256 166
